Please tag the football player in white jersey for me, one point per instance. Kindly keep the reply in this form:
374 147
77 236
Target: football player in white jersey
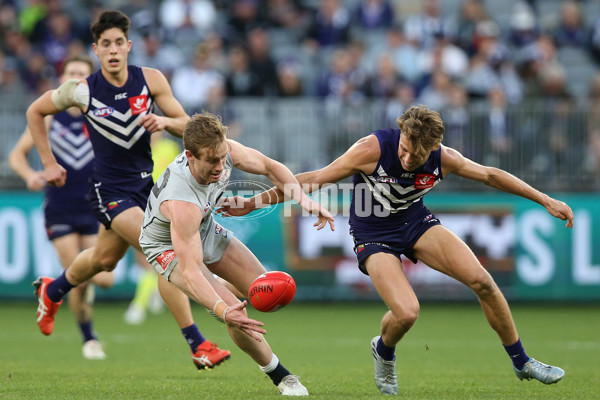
185 245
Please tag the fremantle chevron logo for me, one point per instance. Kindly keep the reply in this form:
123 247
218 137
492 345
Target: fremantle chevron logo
103 112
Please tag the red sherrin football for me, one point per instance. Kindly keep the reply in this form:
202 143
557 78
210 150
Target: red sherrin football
271 291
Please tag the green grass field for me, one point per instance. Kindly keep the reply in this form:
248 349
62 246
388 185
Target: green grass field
451 353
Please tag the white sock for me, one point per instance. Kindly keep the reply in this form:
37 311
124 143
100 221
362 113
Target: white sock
270 366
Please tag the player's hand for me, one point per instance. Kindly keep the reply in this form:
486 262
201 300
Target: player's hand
237 317
153 123
235 206
316 209
55 175
36 181
561 210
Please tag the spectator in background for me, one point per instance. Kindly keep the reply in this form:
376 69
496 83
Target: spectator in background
57 38
289 81
571 30
491 66
523 29
217 104
402 52
241 80
383 84
330 26
185 21
10 80
286 14
498 149
435 94
261 63
372 15
471 13
191 83
336 84
592 153
155 53
243 16
420 29
446 56
404 98
456 120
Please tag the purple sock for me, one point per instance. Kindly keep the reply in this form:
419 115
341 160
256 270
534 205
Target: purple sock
387 353
58 288
87 331
517 354
193 336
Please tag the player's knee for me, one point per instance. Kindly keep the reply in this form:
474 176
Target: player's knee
106 262
483 284
406 316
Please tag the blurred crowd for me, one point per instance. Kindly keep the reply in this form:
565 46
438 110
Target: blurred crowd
409 51
442 53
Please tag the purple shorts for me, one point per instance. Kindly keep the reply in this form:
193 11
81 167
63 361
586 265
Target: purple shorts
398 240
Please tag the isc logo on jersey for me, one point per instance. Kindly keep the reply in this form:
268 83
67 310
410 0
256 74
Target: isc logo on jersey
138 104
103 112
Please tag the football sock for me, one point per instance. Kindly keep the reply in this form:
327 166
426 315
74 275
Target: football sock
146 285
58 288
517 354
86 331
275 370
385 352
193 336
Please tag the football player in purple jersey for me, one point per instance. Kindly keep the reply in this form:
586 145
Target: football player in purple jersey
117 102
70 225
392 170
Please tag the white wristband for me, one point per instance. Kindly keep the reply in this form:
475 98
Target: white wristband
225 314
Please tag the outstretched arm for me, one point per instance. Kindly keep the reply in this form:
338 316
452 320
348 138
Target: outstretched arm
253 161
174 118
362 156
454 162
185 235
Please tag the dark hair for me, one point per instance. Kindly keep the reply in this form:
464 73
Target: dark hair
204 131
78 58
108 20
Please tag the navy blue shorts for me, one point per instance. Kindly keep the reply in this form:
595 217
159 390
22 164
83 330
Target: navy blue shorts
398 240
107 203
60 223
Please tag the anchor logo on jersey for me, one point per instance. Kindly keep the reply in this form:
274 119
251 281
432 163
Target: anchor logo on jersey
424 181
138 104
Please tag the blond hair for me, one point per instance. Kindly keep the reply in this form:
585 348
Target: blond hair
204 131
423 127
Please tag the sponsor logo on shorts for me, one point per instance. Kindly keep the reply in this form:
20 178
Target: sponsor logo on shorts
430 218
165 258
360 248
138 104
218 229
112 204
103 112
424 181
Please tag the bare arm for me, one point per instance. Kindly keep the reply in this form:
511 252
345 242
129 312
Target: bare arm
174 118
17 159
455 163
185 223
360 157
253 161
